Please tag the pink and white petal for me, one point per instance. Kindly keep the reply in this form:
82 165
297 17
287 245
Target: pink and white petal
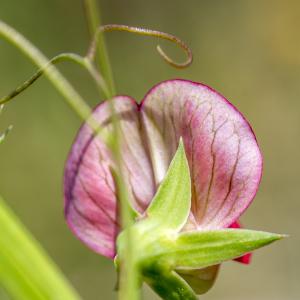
89 187
224 159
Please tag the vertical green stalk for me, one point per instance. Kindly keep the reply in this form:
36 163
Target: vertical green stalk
129 276
94 21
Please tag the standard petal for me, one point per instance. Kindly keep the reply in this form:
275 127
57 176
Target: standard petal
89 187
224 159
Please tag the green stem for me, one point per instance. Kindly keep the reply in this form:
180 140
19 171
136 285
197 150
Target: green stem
129 281
129 275
94 21
63 86
82 61
128 289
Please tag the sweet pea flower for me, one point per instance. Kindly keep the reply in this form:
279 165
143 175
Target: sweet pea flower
224 160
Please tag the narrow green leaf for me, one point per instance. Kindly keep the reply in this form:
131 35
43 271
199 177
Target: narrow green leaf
203 249
4 134
171 205
26 272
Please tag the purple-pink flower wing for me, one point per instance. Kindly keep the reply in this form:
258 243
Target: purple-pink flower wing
89 186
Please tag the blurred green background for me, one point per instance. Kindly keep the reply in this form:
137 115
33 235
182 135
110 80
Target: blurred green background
248 50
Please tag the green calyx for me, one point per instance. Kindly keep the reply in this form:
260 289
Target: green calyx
163 252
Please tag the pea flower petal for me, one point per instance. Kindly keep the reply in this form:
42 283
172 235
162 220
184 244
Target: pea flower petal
224 159
89 187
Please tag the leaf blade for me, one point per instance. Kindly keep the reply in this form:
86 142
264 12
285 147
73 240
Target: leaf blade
26 272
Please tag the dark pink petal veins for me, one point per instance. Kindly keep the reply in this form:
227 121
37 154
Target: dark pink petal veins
224 159
90 192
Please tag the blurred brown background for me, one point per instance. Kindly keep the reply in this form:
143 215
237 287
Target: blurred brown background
248 50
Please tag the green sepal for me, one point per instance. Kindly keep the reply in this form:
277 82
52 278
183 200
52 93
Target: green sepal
171 204
178 265
197 250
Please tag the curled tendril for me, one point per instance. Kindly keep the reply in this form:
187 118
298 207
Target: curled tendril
57 59
147 32
87 62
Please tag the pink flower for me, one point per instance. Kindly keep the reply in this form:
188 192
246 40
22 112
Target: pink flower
224 159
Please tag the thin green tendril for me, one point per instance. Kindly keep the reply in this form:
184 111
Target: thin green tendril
148 32
84 62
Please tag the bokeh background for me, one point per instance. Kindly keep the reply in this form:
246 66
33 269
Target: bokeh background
248 50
